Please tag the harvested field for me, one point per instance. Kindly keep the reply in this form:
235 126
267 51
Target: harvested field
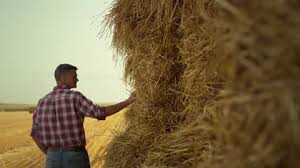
17 150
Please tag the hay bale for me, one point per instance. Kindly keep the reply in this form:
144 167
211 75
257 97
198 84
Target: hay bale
145 34
215 83
128 147
194 145
261 105
195 141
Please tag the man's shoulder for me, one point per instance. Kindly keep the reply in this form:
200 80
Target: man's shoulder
75 92
55 94
63 92
45 97
70 93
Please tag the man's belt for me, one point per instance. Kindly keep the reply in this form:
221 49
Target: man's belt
66 149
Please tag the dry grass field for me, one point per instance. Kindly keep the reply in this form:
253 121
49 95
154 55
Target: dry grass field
17 150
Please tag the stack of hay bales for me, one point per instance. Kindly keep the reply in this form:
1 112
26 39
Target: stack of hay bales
217 83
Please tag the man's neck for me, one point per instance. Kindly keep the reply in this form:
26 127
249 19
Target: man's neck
62 84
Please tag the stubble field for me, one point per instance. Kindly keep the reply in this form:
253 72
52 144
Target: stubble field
17 149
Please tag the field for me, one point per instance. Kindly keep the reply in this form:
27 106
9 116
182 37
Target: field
17 150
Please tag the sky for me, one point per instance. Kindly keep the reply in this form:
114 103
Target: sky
38 35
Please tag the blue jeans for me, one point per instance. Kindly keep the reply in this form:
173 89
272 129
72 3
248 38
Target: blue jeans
78 159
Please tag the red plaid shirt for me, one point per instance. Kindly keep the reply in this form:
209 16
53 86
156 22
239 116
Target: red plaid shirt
59 116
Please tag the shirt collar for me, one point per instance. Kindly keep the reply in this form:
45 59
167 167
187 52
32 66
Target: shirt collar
60 87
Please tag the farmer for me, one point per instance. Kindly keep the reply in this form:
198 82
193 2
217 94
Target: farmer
57 126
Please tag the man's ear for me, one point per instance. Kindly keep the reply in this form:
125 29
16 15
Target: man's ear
62 78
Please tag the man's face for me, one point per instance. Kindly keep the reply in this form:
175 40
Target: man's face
70 78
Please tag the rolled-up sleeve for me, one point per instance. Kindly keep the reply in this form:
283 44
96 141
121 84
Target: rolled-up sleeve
87 108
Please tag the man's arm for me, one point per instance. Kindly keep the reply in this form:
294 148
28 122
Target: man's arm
112 109
34 130
35 139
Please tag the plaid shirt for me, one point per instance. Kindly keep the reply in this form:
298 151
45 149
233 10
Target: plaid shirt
59 116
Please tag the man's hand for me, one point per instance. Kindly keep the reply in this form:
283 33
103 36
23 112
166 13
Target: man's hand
112 109
132 97
36 140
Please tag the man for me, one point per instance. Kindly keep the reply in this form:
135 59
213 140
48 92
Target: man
57 126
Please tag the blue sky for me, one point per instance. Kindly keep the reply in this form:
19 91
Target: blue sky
37 35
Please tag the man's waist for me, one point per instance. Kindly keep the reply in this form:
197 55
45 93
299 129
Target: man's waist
66 149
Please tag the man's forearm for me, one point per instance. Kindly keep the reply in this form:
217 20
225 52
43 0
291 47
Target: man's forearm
112 109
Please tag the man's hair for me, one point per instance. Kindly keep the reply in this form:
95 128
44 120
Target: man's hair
61 69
